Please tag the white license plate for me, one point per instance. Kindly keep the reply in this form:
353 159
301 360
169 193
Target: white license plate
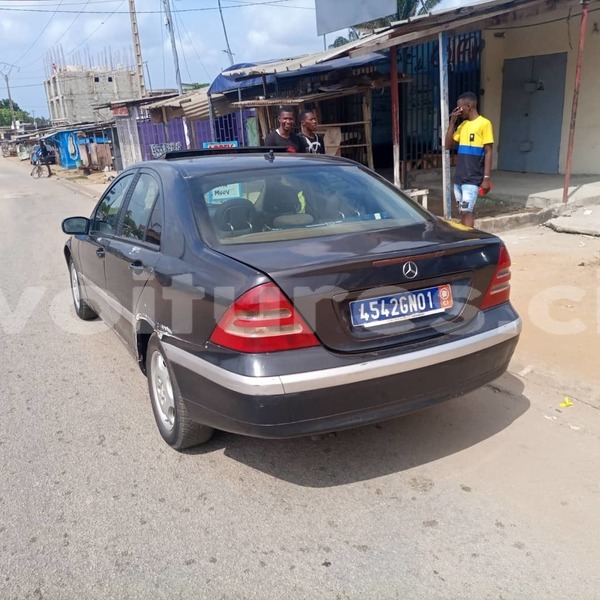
399 307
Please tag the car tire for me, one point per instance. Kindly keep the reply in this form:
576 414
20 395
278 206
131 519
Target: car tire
82 308
170 413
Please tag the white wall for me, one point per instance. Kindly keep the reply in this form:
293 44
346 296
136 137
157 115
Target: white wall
550 38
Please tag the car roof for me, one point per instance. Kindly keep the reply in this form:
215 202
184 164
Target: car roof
225 162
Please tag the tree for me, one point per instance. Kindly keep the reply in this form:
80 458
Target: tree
20 115
406 9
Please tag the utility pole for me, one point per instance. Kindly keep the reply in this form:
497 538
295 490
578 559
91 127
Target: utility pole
582 30
139 63
8 68
148 73
228 51
169 24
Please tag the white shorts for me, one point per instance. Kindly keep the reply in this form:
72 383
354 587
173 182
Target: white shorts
466 195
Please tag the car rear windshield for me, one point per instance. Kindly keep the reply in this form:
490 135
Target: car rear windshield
283 203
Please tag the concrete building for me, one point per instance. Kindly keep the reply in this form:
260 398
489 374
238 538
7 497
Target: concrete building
73 91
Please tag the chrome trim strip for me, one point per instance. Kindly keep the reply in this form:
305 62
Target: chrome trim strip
315 380
110 300
255 386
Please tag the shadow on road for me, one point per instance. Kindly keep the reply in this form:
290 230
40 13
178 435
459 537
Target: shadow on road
390 447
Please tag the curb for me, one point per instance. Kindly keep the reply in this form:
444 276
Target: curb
78 188
514 221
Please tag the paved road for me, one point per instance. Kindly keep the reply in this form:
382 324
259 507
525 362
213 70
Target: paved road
493 495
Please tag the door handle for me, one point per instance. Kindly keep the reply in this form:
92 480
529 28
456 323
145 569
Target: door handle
100 252
136 266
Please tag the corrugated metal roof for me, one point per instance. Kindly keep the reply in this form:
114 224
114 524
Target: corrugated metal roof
402 33
301 99
287 65
193 105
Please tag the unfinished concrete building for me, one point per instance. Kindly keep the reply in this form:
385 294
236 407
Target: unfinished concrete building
73 91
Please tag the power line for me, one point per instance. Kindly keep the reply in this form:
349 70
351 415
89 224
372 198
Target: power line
85 40
14 87
274 3
192 45
40 34
71 24
114 12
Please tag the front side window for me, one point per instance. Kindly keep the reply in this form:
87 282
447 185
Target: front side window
139 208
282 203
105 217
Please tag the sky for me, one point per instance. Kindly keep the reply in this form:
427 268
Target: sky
83 29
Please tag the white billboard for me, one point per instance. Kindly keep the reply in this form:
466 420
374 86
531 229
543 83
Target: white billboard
333 15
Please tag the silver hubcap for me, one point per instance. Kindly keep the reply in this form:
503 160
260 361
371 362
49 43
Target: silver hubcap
162 391
75 287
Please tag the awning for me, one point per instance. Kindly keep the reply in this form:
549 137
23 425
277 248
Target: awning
410 31
242 76
426 27
295 101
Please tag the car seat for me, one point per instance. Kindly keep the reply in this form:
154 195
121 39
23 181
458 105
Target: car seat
235 217
281 206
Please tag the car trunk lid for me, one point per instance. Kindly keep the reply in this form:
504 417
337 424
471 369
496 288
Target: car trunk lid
332 280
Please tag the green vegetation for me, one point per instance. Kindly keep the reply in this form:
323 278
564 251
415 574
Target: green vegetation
406 9
20 115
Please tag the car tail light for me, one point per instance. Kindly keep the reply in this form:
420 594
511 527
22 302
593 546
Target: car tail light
263 320
499 288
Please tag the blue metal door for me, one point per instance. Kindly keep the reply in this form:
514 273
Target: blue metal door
533 95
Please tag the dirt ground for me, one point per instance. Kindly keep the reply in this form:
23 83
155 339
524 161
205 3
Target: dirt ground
74 175
556 289
485 207
78 176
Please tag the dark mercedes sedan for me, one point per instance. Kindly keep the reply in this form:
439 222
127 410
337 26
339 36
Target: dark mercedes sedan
278 295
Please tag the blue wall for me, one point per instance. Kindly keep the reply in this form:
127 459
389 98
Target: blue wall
67 145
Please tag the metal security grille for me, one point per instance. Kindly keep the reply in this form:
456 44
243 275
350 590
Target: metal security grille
347 113
421 138
129 141
226 128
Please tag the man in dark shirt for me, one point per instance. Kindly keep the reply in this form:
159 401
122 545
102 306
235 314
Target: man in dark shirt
284 135
44 157
311 141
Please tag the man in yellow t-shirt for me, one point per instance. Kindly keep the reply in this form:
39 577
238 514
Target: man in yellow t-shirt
475 140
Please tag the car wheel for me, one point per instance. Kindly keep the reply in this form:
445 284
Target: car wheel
82 308
171 415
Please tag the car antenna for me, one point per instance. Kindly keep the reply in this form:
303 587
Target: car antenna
270 156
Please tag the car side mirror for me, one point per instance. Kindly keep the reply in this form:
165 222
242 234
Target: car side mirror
75 225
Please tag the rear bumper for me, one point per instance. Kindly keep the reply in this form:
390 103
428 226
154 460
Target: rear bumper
366 391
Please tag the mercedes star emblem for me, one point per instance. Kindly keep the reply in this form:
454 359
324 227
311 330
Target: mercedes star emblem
409 270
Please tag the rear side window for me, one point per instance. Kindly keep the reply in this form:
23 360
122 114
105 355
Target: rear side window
154 230
139 208
106 215
305 201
